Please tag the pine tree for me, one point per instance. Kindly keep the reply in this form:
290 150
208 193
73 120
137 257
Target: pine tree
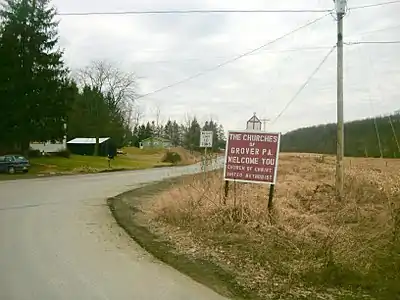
34 79
167 131
142 133
148 131
176 137
192 135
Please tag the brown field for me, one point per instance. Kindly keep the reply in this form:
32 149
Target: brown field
158 155
310 246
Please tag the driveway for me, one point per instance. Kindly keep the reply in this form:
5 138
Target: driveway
58 240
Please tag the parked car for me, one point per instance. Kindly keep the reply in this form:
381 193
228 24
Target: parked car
14 163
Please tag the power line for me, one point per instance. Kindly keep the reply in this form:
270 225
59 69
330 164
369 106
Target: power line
298 49
304 85
371 42
377 30
166 61
375 5
266 50
193 11
234 59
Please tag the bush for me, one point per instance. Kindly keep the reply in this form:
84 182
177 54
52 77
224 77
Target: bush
172 157
63 153
34 153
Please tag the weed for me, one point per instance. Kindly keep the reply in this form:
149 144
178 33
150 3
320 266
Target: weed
311 245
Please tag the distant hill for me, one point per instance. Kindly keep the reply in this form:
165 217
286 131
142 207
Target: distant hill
361 138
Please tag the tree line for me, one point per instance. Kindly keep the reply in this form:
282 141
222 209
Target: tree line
185 134
371 137
43 100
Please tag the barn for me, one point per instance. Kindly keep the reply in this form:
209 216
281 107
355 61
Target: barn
86 146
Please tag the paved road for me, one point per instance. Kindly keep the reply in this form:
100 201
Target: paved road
58 241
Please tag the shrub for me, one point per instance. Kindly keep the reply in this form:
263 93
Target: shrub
172 157
34 153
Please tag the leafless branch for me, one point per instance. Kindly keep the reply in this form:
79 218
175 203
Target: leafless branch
118 86
103 76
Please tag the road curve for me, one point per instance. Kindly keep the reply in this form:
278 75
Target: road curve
58 241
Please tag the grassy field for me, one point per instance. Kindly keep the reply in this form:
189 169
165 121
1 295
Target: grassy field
87 164
156 154
310 246
134 159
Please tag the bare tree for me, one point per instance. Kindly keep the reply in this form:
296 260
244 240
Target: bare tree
106 78
158 121
138 115
158 114
117 86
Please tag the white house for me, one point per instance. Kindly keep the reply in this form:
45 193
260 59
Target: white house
48 147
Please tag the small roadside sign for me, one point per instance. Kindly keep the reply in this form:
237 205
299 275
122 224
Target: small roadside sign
252 156
206 139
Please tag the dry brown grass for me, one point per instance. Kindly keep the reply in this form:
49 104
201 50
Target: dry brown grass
310 245
158 155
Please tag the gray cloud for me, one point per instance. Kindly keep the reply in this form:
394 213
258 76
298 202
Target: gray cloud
163 49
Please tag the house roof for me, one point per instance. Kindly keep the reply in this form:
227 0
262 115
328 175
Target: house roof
87 140
156 138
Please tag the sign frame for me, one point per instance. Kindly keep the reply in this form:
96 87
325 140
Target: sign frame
279 134
206 133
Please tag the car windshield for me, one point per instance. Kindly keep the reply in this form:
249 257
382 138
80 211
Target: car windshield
19 157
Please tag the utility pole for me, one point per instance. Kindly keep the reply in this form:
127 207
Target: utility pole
341 6
264 121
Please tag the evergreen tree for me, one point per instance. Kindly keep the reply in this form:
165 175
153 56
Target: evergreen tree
187 136
176 136
142 133
134 140
148 131
192 135
34 79
167 131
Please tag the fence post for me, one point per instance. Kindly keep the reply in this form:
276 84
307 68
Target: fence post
226 190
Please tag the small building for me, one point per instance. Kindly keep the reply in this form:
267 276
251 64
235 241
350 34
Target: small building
155 142
86 146
48 147
254 123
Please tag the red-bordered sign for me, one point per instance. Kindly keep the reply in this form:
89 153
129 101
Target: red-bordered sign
252 156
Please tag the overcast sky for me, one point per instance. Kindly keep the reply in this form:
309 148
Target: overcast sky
164 49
